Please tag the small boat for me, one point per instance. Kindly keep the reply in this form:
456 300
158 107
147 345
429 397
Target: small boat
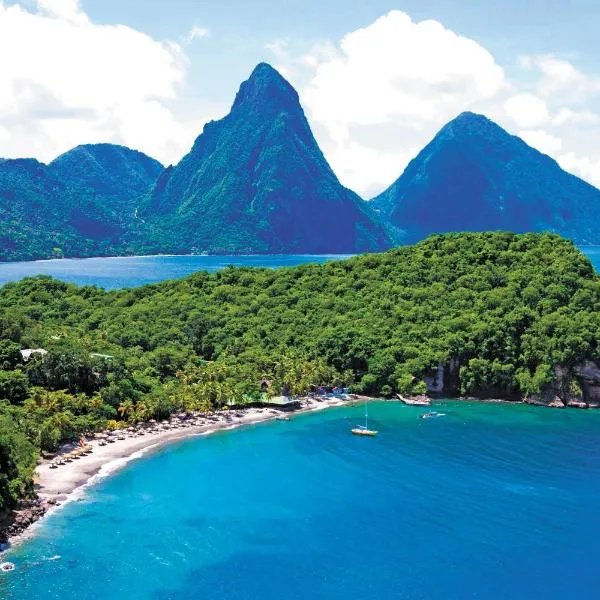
364 429
5 567
432 415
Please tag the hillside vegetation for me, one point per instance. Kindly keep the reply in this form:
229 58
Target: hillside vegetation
505 308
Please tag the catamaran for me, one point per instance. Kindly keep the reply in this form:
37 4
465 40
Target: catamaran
364 429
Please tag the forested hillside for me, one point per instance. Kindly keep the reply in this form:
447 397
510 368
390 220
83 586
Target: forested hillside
505 309
81 204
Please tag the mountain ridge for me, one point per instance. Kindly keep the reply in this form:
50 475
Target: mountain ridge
70 207
256 181
475 176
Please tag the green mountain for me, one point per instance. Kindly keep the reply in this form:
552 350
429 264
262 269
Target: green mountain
81 204
116 173
256 181
474 176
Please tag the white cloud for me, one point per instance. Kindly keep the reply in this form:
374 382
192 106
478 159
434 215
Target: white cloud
81 82
567 116
396 68
560 78
412 76
279 49
542 141
358 159
378 95
585 167
68 10
527 110
373 98
197 33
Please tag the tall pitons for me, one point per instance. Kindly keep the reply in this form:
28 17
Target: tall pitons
474 176
256 181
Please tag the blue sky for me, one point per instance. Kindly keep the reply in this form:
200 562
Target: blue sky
377 79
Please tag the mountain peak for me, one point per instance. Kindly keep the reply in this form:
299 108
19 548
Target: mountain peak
266 87
256 181
469 124
470 117
265 70
475 176
110 169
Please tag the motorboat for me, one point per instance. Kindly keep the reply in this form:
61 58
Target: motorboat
432 415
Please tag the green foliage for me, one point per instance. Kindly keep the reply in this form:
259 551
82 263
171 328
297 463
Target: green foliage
506 308
483 377
533 383
17 461
80 204
14 386
10 354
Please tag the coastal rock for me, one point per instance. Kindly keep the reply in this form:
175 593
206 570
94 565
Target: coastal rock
563 390
573 387
589 375
435 382
452 377
17 521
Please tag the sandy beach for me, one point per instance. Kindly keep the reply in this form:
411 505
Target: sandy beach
56 486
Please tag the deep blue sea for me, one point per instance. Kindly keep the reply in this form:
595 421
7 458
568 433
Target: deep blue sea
132 271
491 501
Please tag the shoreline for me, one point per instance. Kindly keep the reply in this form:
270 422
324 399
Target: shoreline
56 487
169 255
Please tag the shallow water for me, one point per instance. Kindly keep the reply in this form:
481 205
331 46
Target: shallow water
490 501
132 271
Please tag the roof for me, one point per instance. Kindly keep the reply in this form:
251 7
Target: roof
27 352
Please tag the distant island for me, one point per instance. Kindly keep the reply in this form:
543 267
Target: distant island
256 182
487 315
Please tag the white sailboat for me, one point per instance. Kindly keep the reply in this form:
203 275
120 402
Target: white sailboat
364 429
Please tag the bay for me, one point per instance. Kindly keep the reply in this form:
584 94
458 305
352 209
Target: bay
133 271
492 501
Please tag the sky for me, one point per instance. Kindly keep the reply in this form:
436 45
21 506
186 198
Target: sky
377 79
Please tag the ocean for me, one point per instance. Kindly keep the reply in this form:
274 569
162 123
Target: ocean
133 271
492 501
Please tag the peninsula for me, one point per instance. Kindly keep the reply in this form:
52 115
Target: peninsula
487 315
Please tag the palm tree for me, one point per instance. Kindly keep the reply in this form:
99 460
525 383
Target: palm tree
140 411
125 408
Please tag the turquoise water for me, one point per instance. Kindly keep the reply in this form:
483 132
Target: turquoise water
132 271
490 501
